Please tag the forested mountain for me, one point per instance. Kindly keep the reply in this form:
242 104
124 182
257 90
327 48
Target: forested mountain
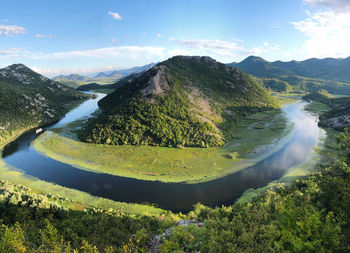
309 75
71 77
29 99
188 101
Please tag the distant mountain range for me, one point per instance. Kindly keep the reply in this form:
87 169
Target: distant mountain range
106 77
110 87
312 74
328 68
115 74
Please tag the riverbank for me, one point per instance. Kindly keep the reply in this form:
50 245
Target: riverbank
73 199
320 155
16 133
256 138
14 136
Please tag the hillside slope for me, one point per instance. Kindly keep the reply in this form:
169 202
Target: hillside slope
29 99
188 101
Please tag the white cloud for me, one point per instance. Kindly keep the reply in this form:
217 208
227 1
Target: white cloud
9 30
52 72
115 15
12 52
114 40
327 32
44 35
104 53
224 50
217 47
159 35
335 5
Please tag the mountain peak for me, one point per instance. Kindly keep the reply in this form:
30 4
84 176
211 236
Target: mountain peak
22 74
17 66
254 59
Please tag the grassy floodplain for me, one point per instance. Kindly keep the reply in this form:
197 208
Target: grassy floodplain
73 199
255 139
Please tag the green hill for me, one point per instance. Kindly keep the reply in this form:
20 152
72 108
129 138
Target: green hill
29 99
188 101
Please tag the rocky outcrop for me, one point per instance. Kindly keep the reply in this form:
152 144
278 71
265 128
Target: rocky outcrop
158 83
156 240
336 122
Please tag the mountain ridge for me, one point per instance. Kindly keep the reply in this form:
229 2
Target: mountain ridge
325 68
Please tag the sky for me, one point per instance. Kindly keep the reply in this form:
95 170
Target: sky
85 36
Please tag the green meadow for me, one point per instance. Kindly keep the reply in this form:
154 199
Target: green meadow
255 138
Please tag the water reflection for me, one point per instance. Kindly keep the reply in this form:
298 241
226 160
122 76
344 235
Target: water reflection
83 110
176 196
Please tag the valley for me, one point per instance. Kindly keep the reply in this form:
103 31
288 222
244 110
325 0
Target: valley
269 145
24 157
175 126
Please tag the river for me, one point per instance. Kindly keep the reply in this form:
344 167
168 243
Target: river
173 196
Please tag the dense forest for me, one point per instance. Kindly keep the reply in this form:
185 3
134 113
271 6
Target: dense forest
184 101
310 216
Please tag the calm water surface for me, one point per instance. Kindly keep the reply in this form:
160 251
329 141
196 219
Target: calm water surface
174 196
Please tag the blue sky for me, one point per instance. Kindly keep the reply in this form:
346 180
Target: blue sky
55 37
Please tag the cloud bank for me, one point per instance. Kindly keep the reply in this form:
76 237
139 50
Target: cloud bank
335 5
327 31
